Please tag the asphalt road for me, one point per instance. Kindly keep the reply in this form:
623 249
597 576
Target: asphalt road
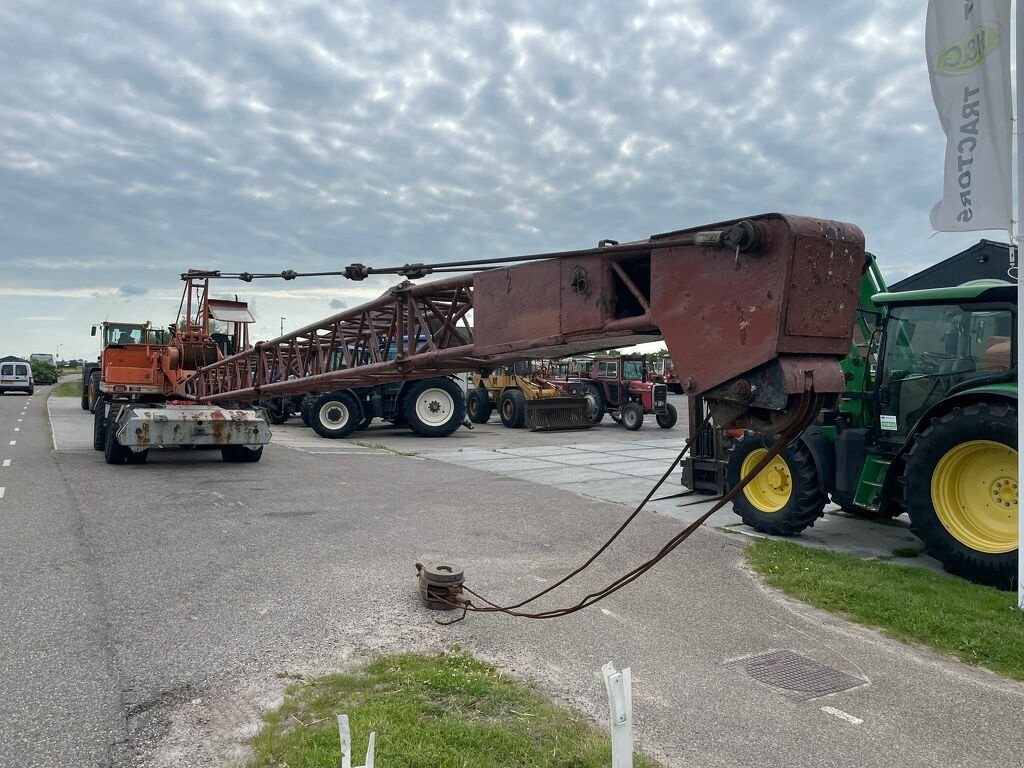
150 610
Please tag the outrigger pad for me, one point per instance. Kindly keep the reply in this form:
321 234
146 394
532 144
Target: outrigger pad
551 414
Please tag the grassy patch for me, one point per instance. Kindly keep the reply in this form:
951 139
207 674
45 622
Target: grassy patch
68 389
978 625
444 710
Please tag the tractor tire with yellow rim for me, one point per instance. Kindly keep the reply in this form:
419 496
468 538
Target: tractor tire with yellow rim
784 498
960 491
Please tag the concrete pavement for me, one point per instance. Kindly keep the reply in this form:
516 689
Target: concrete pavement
197 583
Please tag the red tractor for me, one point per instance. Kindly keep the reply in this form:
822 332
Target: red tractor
619 386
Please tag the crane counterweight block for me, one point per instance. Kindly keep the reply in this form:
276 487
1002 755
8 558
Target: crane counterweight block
756 314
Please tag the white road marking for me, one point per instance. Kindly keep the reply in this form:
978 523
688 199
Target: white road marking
20 420
14 442
2 491
7 462
17 429
842 715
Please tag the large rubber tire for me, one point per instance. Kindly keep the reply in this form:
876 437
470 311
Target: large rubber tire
335 414
94 390
960 490
85 394
784 498
435 407
241 454
367 420
478 406
594 396
632 416
113 451
512 408
668 419
307 403
136 458
99 427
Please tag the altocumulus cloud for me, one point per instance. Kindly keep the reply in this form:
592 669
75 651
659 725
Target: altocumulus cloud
146 138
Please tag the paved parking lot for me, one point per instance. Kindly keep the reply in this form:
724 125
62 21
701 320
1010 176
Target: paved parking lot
606 462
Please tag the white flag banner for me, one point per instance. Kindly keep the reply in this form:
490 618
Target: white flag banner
968 48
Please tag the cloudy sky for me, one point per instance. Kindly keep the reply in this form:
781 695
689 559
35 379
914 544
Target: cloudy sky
138 139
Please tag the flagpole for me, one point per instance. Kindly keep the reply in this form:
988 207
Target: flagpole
1020 325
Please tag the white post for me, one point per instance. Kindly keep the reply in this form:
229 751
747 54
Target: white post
1020 326
620 703
345 735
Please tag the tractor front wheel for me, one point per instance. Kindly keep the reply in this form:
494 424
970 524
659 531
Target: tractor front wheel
512 408
668 419
783 498
960 491
632 415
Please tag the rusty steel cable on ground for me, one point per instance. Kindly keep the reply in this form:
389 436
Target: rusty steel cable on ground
810 404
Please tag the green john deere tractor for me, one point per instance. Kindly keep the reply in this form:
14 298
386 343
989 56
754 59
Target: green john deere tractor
928 426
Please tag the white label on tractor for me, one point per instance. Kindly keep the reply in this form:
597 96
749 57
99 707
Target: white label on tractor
888 422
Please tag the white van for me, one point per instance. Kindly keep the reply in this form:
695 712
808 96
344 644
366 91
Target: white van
16 377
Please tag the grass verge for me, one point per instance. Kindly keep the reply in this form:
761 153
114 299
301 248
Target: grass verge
443 710
978 625
67 389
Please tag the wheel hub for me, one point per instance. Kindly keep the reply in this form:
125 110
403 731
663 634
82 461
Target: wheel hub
1004 492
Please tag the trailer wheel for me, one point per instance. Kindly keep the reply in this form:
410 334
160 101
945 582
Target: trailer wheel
784 498
99 426
512 408
668 419
960 490
478 406
632 416
241 454
435 407
335 414
94 390
113 451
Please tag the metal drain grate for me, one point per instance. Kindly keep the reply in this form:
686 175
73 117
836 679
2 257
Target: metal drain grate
800 677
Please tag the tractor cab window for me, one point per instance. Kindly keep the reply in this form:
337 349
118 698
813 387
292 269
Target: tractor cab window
607 369
928 350
633 370
125 334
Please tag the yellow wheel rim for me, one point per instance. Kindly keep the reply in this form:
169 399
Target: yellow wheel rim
974 493
771 489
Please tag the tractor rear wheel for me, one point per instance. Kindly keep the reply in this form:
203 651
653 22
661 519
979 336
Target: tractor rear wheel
334 414
632 416
435 407
594 396
478 406
85 394
668 419
784 498
960 490
512 408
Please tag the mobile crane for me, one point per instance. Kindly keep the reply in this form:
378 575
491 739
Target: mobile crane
774 297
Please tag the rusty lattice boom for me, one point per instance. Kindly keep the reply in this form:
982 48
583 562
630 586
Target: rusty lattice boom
755 313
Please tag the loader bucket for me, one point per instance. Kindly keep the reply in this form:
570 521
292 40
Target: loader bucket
554 413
